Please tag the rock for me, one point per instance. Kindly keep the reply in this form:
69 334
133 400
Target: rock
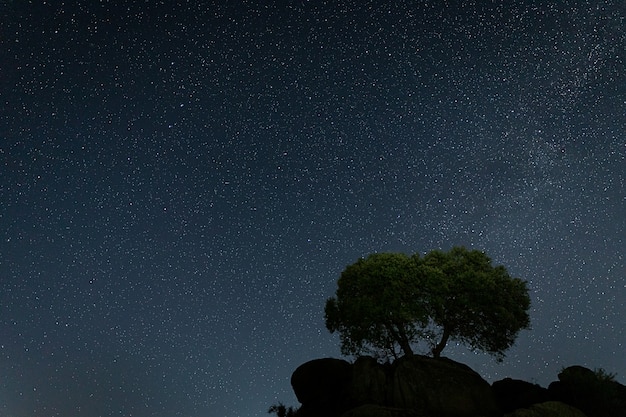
369 382
372 410
441 387
419 384
588 391
512 394
548 409
320 385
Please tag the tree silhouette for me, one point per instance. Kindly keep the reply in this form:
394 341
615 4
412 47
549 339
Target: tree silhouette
390 300
282 411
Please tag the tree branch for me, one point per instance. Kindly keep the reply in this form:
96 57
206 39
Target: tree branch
442 343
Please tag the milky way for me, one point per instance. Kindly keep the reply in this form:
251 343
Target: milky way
182 185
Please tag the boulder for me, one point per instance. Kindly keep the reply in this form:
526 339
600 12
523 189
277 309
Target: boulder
423 386
415 384
372 410
512 394
320 385
369 382
548 409
440 387
594 394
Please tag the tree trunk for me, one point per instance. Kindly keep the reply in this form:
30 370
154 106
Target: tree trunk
398 333
442 343
406 347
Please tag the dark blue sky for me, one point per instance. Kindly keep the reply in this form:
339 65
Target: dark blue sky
182 185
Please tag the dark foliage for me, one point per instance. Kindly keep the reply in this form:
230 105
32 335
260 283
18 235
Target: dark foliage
282 411
388 301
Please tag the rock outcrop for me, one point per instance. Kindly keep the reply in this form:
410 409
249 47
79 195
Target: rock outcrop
369 382
419 386
371 410
547 409
588 391
440 387
512 394
412 385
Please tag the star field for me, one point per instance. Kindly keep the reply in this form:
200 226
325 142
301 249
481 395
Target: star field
182 185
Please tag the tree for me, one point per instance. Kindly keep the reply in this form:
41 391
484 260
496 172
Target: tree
475 303
389 301
282 411
377 305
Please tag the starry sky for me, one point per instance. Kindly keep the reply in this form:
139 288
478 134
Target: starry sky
182 183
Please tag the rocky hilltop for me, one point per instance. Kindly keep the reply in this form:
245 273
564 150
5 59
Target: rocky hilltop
419 386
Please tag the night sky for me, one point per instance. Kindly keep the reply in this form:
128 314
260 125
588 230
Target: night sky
181 186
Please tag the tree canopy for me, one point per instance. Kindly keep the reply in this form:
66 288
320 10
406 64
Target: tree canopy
391 301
